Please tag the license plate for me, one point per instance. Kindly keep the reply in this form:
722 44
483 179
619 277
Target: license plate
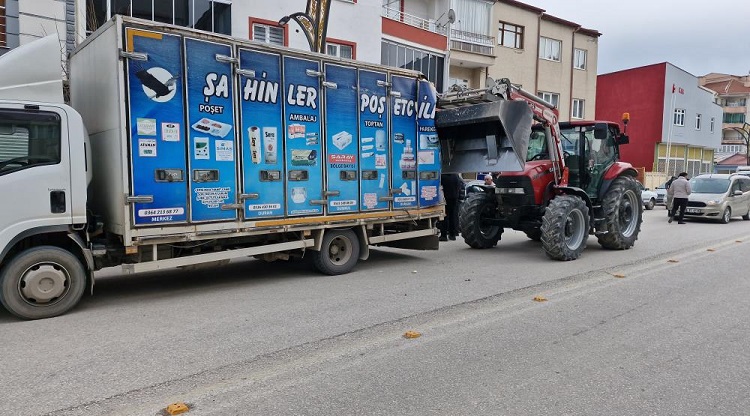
692 211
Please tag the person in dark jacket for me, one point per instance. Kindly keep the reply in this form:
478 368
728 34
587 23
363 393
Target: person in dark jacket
452 184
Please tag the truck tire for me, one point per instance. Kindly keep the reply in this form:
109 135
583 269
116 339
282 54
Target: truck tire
565 228
623 214
338 253
42 282
475 234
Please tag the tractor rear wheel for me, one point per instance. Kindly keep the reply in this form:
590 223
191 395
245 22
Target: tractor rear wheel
476 234
565 227
623 214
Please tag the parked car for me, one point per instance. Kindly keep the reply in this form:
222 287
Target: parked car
661 193
719 197
648 197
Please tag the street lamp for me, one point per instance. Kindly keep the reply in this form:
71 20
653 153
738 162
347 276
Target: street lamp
308 25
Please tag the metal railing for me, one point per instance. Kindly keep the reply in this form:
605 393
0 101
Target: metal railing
411 20
472 42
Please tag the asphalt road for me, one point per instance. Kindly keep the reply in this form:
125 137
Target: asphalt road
666 337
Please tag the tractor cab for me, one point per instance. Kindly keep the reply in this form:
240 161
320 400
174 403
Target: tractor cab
590 149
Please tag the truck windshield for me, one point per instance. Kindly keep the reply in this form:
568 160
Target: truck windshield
28 139
709 185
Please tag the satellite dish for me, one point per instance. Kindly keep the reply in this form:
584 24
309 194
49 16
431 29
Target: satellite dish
451 16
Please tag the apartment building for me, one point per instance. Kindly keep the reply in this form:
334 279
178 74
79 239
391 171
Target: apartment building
24 21
544 54
733 94
675 123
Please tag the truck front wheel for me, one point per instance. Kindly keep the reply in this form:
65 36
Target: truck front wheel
565 228
42 282
473 210
338 253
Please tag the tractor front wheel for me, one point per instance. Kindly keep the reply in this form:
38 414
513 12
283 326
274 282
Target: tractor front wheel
565 227
473 210
623 214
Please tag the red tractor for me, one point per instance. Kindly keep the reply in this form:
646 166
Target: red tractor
557 182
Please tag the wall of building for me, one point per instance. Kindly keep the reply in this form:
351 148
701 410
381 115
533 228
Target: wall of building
584 81
640 92
519 65
554 76
358 23
694 100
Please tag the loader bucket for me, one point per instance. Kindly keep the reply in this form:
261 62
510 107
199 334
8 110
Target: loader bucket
486 137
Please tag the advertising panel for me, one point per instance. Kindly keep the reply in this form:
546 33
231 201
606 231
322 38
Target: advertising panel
342 139
211 138
261 95
428 146
374 140
156 127
404 141
302 136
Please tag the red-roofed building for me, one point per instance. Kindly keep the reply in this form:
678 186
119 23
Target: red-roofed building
733 95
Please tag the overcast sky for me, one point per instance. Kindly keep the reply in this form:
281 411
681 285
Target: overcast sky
697 36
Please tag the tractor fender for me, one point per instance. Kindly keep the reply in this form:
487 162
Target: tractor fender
614 172
572 190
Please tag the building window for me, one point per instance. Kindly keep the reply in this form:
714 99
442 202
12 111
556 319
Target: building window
3 29
510 36
549 97
712 124
475 16
209 15
697 121
578 108
549 49
734 118
579 60
341 48
267 31
679 117
429 64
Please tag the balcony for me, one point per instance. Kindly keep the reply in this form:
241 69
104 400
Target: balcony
472 42
429 25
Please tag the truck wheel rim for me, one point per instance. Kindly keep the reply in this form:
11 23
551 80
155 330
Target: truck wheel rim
574 231
339 251
627 214
43 283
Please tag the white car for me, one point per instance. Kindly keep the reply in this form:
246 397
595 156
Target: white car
648 196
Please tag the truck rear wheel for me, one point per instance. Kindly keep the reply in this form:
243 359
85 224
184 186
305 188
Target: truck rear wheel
623 211
42 282
476 234
565 228
338 253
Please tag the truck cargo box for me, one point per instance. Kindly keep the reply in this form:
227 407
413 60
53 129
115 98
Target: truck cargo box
196 135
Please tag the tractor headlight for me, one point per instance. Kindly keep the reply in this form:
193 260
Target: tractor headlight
515 191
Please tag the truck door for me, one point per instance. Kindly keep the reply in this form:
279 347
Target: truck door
212 144
156 128
428 153
404 143
374 140
342 139
262 122
303 143
35 171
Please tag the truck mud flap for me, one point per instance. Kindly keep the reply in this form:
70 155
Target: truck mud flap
486 137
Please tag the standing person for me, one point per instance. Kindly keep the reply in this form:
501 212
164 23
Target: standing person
679 190
452 183
488 180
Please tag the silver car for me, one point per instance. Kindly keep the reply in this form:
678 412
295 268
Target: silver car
719 197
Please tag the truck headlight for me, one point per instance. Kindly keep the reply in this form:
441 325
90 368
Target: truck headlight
516 191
